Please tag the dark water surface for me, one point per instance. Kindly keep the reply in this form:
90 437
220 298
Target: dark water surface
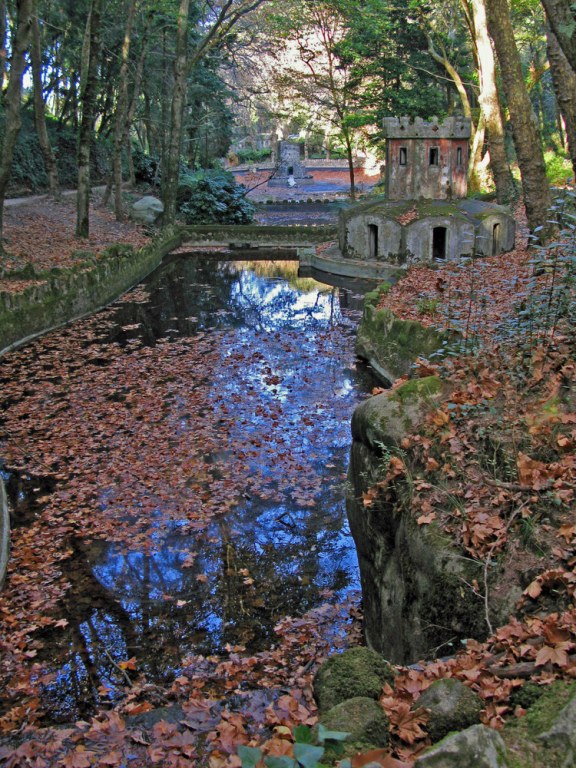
193 439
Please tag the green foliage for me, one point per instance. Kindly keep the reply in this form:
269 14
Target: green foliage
251 155
387 51
209 116
309 747
210 197
558 167
146 167
428 306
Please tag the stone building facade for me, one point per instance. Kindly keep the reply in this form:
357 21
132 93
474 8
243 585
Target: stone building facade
425 214
290 165
426 159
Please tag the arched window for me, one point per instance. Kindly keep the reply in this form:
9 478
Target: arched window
496 235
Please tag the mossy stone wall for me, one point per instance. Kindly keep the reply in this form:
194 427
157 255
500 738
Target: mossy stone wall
391 345
61 295
414 578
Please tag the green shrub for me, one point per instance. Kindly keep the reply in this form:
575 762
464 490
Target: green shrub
250 155
146 167
28 171
209 197
558 167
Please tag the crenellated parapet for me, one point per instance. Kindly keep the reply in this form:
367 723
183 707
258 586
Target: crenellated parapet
455 127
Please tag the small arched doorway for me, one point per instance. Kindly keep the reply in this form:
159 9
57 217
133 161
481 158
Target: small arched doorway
439 239
372 241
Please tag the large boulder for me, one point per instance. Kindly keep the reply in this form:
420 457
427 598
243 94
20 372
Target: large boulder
355 672
363 719
451 706
147 210
476 747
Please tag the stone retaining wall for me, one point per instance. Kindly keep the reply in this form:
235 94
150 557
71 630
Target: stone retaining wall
59 296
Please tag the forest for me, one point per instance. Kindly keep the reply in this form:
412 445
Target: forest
109 92
177 465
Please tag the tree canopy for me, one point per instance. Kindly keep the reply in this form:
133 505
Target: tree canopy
182 83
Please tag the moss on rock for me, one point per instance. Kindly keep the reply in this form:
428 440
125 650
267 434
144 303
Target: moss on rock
530 739
416 389
391 345
361 717
355 672
386 418
451 707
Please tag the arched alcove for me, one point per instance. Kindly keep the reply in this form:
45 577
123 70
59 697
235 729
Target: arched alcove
496 238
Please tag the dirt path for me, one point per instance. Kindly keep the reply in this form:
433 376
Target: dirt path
40 231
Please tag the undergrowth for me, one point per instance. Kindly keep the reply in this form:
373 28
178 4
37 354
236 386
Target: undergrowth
493 465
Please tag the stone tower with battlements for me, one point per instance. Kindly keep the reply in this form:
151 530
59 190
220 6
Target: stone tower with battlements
426 160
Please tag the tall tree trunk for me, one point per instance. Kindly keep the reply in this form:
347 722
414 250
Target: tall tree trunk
478 176
150 130
350 158
136 92
39 106
527 141
121 112
562 19
128 120
564 80
442 59
172 156
3 29
13 98
490 104
88 89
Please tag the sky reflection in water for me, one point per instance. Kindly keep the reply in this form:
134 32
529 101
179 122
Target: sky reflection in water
282 387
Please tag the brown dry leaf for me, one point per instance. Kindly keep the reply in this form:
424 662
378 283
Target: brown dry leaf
440 418
535 474
557 655
534 589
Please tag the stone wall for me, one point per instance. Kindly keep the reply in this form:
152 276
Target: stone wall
61 295
415 597
391 345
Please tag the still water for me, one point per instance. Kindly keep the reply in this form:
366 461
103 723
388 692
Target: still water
186 450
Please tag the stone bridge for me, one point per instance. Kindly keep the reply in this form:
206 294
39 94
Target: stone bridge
303 239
